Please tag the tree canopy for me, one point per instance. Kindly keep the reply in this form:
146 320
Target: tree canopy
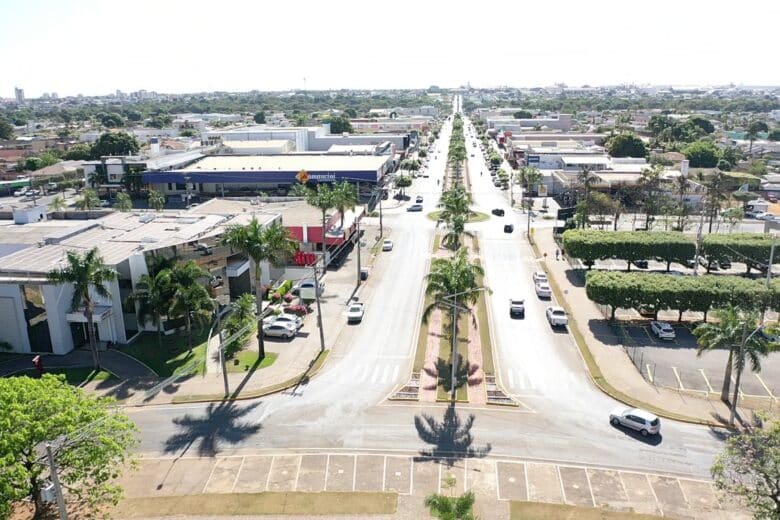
702 154
260 118
522 114
626 145
114 143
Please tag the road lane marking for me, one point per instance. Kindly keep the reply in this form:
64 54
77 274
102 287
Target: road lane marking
768 391
374 373
676 375
704 376
385 373
511 379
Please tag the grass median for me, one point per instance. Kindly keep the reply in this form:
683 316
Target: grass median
292 503
541 511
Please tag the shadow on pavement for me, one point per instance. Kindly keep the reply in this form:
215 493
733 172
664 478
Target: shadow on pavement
221 423
443 373
652 440
604 332
576 277
451 438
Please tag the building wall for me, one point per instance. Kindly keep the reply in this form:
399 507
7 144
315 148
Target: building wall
13 327
57 299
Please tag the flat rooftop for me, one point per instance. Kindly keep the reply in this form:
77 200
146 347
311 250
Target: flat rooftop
332 163
269 143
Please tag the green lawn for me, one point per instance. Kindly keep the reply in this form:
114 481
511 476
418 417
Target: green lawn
73 376
245 361
173 357
474 216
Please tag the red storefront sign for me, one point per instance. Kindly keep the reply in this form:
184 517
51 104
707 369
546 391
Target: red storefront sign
301 258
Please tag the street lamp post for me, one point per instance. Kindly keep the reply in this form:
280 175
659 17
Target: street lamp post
56 481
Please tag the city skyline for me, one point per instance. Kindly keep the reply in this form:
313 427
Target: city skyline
179 47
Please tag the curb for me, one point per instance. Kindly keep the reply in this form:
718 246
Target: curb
594 372
314 367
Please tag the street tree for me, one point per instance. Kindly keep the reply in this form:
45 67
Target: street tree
114 143
272 244
58 203
626 145
123 202
345 196
260 118
91 443
749 467
449 276
88 200
156 200
402 182
86 274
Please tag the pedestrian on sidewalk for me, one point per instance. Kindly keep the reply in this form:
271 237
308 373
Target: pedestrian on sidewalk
557 254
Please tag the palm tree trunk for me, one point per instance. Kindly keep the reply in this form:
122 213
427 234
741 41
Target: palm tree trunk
724 393
189 331
736 396
259 302
159 332
91 337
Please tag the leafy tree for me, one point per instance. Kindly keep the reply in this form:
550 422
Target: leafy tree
451 508
626 145
152 299
133 115
156 200
78 152
271 244
123 202
96 442
87 274
339 124
33 163
774 135
57 203
351 112
6 130
345 196
188 132
732 154
111 120
658 123
723 165
749 468
403 181
260 118
703 123
702 154
754 128
160 121
114 143
89 200
522 114
757 168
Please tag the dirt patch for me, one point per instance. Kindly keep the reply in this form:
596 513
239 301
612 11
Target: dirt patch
540 511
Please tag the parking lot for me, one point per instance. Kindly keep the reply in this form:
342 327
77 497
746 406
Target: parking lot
612 264
674 363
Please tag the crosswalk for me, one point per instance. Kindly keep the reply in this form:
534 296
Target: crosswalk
519 380
374 373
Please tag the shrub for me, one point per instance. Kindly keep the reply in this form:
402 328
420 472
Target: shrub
288 297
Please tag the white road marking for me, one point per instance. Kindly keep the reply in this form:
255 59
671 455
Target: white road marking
511 379
677 376
214 467
374 373
235 480
707 381
385 373
764 385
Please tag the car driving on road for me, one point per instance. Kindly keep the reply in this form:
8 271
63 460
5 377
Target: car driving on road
542 289
355 312
498 212
662 330
517 307
415 207
557 316
640 420
387 245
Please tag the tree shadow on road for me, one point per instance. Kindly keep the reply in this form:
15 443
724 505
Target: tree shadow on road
451 438
221 424
443 373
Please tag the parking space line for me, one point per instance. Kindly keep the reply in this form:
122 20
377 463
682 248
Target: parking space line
661 509
764 385
214 467
525 474
327 469
704 376
298 473
590 488
354 472
560 481
677 376
438 486
270 470
649 373
679 484
235 480
411 475
384 473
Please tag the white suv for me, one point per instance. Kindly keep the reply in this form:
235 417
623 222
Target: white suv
636 419
540 276
557 316
662 330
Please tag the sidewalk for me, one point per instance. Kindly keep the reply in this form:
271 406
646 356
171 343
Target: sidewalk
616 368
122 366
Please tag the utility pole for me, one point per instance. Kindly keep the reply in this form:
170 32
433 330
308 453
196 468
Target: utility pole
317 299
698 245
56 481
771 260
357 225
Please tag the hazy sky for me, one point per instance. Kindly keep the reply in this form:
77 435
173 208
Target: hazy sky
96 47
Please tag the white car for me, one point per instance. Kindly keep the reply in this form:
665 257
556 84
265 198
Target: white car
21 192
540 276
543 290
636 419
387 245
355 312
763 215
280 330
662 330
285 318
307 284
557 316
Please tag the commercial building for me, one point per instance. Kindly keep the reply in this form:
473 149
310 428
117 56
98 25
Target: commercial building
19 95
560 122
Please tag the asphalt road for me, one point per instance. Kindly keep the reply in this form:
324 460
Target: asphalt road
565 417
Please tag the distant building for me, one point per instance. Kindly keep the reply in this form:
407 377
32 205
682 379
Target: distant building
19 95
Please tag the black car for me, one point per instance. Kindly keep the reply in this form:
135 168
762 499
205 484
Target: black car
642 264
498 212
724 263
508 228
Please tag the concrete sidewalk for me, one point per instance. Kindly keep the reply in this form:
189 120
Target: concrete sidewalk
616 367
121 365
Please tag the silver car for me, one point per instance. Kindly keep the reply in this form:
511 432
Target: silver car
280 330
643 422
285 318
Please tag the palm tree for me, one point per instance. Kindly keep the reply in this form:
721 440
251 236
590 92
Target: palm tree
271 244
449 276
187 273
321 198
89 200
345 196
57 203
156 200
242 313
153 295
451 508
85 272
123 202
455 201
456 227
753 130
681 184
194 303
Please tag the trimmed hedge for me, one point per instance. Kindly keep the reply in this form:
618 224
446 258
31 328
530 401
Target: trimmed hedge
590 245
658 291
751 248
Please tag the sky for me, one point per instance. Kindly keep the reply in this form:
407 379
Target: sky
95 47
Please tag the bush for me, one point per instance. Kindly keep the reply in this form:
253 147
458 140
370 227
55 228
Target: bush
288 298
285 287
590 245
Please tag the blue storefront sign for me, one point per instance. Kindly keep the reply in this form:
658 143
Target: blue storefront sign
257 176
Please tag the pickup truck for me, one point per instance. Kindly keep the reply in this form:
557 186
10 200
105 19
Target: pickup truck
557 316
355 312
516 308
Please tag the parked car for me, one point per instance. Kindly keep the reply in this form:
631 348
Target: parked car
542 290
509 228
724 263
636 419
355 312
662 330
540 276
280 330
387 245
20 192
285 318
763 215
641 264
105 204
517 307
307 283
498 212
419 199
557 316
415 207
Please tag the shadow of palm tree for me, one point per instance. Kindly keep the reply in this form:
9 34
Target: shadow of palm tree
221 424
451 438
443 373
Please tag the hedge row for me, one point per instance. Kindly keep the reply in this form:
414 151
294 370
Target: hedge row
658 291
590 245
